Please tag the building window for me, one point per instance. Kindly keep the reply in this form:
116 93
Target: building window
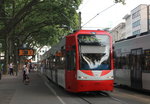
136 32
136 23
136 14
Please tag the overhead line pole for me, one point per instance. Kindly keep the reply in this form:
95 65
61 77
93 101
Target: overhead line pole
80 21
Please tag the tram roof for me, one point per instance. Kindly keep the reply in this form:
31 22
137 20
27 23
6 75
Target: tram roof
134 37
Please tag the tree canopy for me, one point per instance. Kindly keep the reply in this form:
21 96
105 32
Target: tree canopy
36 22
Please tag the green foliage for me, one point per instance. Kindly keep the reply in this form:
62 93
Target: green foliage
120 1
44 24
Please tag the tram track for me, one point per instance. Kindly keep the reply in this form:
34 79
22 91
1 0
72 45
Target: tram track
103 94
86 100
99 97
114 98
95 94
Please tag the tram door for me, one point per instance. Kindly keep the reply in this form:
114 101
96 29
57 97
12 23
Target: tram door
136 66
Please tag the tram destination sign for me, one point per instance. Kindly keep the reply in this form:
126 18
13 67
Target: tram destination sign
26 52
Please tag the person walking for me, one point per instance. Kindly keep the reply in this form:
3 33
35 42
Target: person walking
26 74
11 69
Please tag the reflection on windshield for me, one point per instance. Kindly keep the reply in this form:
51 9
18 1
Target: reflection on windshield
94 56
94 61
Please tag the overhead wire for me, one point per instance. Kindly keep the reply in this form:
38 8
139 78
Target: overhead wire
98 14
102 12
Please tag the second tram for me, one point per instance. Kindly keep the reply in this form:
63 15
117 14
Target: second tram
81 62
132 62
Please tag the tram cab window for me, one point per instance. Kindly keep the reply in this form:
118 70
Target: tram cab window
70 60
94 57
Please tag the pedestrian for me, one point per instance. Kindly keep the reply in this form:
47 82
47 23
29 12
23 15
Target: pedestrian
11 69
26 74
23 70
30 67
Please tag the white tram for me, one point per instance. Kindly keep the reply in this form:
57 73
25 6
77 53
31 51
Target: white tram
132 62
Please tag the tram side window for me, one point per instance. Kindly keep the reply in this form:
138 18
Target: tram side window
53 62
61 62
147 63
125 61
122 62
118 62
56 62
70 61
47 63
147 59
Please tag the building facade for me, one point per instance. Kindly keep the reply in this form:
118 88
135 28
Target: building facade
39 53
136 23
128 25
140 18
118 32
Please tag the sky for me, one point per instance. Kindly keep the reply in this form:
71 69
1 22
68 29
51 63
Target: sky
110 17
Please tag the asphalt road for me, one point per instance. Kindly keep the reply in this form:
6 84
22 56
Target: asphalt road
42 91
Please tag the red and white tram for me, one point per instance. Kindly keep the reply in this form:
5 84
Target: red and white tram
81 62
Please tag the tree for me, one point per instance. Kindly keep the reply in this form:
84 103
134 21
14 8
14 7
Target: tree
35 22
120 1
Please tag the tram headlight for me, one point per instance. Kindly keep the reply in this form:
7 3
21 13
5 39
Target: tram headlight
110 77
62 59
82 77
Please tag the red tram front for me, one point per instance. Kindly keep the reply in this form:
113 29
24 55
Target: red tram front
89 61
82 62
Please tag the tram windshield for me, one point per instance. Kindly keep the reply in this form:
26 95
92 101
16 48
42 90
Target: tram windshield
94 52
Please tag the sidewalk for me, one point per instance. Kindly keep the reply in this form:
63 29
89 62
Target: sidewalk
13 91
7 88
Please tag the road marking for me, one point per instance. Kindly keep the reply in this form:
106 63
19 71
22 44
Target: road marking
118 100
53 91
